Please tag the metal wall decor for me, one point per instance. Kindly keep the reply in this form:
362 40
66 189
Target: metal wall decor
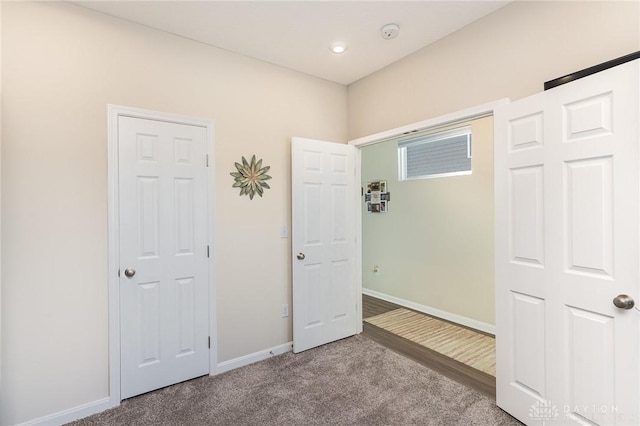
251 177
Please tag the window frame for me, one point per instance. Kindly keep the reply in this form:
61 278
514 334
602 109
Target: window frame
425 138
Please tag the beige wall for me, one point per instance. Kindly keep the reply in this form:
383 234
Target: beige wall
434 247
509 53
61 66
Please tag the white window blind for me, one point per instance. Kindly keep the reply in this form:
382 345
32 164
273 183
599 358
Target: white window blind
440 154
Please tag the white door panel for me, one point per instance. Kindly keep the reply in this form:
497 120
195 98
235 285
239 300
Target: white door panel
567 232
163 238
324 209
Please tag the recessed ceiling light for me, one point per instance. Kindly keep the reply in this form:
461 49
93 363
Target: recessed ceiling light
338 47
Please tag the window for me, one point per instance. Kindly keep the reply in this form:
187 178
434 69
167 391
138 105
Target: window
446 153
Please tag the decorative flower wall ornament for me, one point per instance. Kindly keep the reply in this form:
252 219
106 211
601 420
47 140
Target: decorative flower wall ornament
251 177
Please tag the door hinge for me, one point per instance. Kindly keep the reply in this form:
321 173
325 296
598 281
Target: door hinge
209 342
208 251
207 160
362 191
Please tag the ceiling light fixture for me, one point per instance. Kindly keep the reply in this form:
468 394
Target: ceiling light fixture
390 31
338 47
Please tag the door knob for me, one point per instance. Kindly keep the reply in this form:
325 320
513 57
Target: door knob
300 256
623 301
129 272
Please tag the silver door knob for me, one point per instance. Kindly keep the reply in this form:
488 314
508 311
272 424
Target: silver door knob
300 256
129 272
624 301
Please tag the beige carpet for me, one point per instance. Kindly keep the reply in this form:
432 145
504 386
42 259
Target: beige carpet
350 382
473 349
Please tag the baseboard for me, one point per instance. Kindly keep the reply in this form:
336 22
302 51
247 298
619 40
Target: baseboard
70 414
100 405
254 357
458 319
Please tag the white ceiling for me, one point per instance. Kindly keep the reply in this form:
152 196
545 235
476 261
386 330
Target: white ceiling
298 34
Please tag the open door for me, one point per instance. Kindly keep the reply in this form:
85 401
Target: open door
567 252
326 303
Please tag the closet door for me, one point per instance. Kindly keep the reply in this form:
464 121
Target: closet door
567 252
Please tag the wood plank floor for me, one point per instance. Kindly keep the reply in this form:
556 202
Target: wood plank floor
413 347
460 343
372 306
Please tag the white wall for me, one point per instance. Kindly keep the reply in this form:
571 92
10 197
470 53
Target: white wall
507 54
61 66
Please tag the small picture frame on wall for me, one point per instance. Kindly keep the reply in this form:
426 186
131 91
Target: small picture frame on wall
377 197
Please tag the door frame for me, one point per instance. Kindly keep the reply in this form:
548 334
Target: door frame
467 114
478 111
431 123
114 112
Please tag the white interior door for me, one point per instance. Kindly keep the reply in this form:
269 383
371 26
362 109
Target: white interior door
567 244
164 279
325 299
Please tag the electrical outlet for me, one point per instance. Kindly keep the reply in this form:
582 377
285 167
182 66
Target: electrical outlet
376 270
285 310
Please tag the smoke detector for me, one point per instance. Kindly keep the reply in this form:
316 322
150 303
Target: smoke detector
390 31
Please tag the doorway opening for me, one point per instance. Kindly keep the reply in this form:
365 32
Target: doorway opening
427 257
